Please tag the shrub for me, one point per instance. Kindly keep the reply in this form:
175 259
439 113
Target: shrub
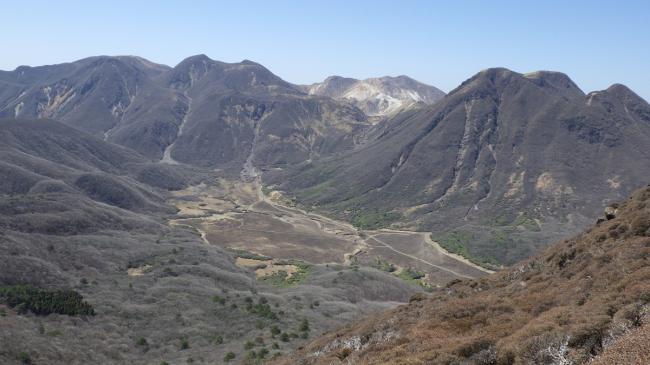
249 255
384 265
304 325
262 310
284 337
275 330
344 353
24 358
218 299
218 339
141 341
249 345
262 353
185 344
229 356
44 302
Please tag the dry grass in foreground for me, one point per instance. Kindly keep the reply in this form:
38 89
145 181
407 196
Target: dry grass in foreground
581 298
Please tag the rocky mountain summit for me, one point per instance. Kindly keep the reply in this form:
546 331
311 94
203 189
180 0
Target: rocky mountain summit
380 96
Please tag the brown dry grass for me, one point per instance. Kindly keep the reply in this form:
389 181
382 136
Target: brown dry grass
565 305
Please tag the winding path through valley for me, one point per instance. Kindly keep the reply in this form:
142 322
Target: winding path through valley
256 202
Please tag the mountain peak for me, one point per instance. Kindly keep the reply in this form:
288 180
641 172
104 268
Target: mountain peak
377 96
557 80
500 77
199 58
624 93
249 62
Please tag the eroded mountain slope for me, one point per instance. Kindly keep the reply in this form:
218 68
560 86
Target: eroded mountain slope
501 165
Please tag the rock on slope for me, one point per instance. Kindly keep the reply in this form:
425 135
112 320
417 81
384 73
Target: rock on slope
500 166
381 96
581 296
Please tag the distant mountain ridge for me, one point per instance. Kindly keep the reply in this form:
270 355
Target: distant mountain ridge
203 112
380 96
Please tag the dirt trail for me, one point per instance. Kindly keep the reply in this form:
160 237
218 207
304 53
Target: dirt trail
384 244
426 237
175 222
318 218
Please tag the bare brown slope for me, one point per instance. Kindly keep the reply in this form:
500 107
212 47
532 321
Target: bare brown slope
567 304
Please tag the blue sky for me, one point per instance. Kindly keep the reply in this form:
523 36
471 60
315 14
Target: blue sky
597 43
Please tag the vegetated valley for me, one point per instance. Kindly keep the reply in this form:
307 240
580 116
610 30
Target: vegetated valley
212 212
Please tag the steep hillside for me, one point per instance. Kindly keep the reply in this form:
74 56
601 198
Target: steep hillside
501 165
381 96
40 156
201 112
582 297
92 94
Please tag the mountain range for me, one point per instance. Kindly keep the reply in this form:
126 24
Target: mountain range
499 167
212 212
202 112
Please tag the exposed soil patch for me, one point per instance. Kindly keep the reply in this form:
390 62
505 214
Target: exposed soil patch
265 268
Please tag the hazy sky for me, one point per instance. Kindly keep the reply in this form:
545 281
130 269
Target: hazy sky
597 43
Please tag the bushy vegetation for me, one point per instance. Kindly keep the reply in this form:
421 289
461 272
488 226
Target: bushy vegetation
367 220
304 325
262 308
411 274
24 358
219 299
414 276
184 343
25 298
383 265
523 220
249 255
458 241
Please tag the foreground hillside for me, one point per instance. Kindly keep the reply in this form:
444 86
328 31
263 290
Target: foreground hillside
583 298
499 167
